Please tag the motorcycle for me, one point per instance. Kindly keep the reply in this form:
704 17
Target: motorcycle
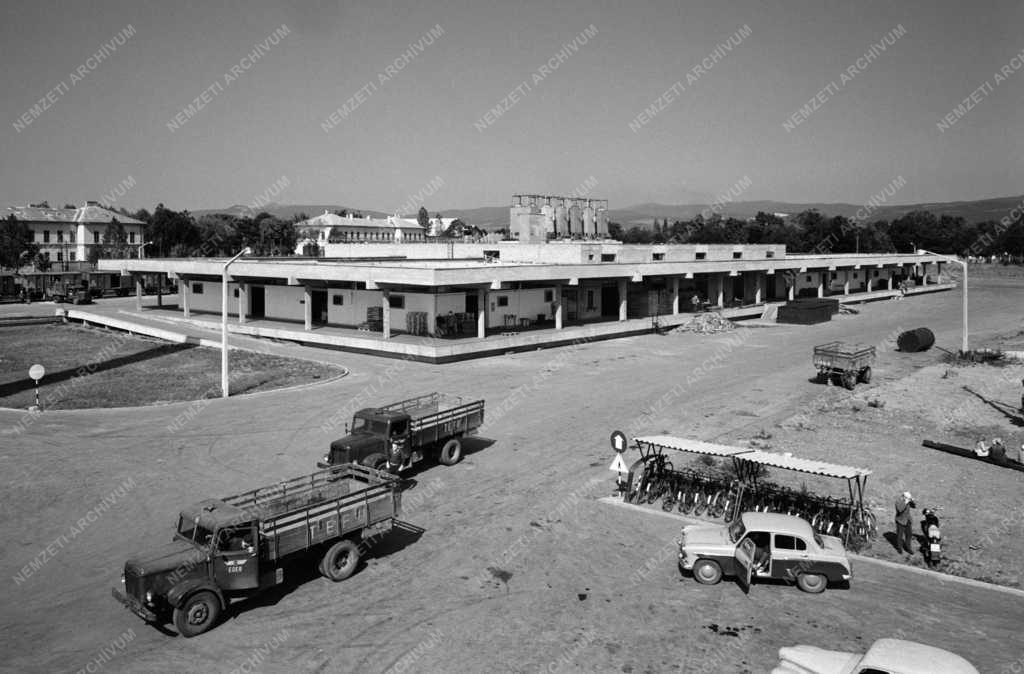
933 536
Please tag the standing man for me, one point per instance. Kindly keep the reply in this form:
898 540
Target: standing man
695 303
903 505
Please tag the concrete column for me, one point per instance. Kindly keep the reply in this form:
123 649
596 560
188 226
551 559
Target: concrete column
846 284
821 283
138 292
675 295
481 314
623 297
160 290
386 305
719 290
186 290
890 280
757 287
307 308
243 301
791 291
938 272
559 311
924 274
870 282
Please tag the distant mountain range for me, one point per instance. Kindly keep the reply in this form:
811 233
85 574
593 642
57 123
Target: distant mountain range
497 217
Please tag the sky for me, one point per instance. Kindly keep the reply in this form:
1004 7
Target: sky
418 126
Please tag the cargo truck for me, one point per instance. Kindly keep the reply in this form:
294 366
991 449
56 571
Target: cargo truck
396 436
235 547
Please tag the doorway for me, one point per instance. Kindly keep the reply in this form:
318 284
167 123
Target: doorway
258 302
610 301
319 298
472 303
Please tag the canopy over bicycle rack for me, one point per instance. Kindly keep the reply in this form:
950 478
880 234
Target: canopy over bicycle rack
748 462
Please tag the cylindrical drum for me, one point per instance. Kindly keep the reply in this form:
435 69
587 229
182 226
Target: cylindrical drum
602 222
588 221
913 341
575 220
561 220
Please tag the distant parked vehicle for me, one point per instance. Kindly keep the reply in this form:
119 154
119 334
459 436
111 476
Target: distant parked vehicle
849 362
396 436
764 545
893 656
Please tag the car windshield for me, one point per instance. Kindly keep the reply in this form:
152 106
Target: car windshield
361 425
736 530
190 530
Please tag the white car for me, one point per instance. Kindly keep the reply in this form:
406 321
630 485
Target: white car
886 656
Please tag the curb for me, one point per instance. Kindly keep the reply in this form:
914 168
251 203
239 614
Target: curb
935 575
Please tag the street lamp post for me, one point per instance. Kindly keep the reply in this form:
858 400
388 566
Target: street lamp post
963 346
224 323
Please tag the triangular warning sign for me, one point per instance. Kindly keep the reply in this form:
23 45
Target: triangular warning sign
618 464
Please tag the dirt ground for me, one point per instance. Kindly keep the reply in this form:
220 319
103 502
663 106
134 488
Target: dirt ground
509 563
91 367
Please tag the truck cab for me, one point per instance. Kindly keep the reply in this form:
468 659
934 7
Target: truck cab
377 438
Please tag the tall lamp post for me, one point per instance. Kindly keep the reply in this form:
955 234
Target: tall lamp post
963 346
224 323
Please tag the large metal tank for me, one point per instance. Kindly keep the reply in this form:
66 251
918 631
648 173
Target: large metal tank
602 222
575 220
589 224
561 220
548 211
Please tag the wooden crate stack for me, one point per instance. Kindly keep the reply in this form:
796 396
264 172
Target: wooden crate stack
375 319
416 322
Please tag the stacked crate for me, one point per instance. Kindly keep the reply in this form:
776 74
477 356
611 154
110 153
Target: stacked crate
375 319
416 322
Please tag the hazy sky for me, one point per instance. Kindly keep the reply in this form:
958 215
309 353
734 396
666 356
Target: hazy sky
570 126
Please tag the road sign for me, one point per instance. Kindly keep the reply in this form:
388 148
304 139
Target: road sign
618 464
619 442
36 371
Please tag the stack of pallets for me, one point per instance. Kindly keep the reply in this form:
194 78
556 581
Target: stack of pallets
416 322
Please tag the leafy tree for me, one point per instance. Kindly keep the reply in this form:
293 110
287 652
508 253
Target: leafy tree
41 204
41 262
115 240
70 206
423 217
16 242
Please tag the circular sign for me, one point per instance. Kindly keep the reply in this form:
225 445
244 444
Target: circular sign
619 442
36 371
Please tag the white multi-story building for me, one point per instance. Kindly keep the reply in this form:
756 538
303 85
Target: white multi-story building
67 234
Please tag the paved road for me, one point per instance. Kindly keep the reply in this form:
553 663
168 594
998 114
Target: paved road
516 567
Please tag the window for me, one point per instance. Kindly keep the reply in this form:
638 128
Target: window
236 292
502 300
659 256
71 236
549 295
71 256
396 301
770 253
60 256
131 237
338 300
834 276
854 274
789 543
701 255
607 257
197 288
95 237
808 278
876 273
737 254
60 236
46 236
590 301
46 255
590 256
492 255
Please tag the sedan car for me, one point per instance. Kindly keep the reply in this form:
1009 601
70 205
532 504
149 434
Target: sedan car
764 545
893 656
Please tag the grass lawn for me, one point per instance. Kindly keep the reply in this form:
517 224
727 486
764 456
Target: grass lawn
90 367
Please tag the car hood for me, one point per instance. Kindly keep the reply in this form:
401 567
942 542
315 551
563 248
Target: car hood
174 555
833 547
814 660
706 535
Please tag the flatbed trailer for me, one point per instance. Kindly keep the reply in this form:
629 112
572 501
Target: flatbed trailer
849 362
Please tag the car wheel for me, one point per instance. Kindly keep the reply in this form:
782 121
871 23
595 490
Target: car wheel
707 571
811 582
451 453
197 615
865 375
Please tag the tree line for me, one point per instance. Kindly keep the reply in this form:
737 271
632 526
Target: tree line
813 232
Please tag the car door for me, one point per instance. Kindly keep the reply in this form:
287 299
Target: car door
744 556
789 557
235 565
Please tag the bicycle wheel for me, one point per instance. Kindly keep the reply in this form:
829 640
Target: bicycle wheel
870 524
717 507
687 503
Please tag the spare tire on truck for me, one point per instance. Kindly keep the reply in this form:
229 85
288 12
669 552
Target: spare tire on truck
913 341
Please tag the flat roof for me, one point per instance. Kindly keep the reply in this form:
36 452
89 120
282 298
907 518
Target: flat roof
687 445
804 465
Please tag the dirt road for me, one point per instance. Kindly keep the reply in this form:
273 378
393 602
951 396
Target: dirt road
517 567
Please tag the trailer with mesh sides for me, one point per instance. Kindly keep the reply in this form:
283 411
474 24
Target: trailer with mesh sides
849 363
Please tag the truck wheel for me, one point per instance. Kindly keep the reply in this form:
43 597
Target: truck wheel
707 571
340 561
822 377
451 453
198 614
849 380
865 375
811 582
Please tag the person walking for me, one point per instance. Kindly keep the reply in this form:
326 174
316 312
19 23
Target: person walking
903 505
